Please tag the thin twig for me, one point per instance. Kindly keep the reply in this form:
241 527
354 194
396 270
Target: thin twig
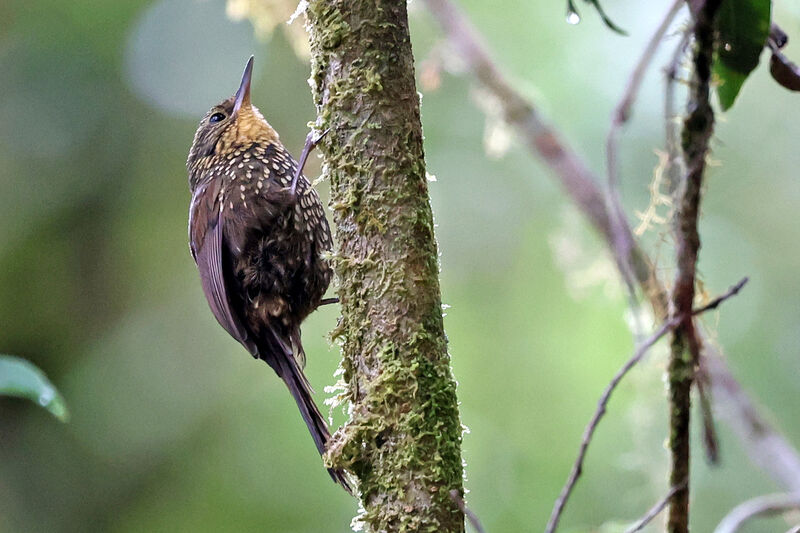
622 112
766 446
472 517
674 156
701 379
710 440
713 304
577 467
588 433
654 510
619 117
762 505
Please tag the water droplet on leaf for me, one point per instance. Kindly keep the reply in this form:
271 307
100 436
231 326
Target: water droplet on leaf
46 397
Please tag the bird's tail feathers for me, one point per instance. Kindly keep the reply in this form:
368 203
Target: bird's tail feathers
299 353
289 370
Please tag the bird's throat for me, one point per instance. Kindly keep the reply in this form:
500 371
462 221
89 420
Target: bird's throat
248 127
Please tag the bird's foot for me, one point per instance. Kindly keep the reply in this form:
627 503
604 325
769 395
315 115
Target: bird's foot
311 142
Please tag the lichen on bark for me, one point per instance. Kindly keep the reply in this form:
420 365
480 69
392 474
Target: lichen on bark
403 439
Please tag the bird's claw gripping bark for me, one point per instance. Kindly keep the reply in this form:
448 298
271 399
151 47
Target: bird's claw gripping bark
311 143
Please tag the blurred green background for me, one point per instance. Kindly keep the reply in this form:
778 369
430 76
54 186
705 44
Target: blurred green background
175 428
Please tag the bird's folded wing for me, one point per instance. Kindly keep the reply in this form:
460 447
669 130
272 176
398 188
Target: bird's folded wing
209 257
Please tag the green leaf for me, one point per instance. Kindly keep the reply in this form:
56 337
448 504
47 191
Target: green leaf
743 28
730 82
20 378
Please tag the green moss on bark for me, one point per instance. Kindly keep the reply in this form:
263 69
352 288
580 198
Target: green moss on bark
403 440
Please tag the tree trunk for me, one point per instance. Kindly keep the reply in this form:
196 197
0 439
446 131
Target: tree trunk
403 440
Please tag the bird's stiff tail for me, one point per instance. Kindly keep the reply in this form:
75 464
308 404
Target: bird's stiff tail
301 392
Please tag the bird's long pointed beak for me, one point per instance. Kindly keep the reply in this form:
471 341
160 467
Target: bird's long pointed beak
243 94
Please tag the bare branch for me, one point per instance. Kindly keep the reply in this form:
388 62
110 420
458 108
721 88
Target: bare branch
670 115
697 129
766 446
713 304
622 112
654 510
620 117
674 169
702 380
472 517
588 433
762 505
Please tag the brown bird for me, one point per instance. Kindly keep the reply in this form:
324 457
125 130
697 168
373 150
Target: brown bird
257 232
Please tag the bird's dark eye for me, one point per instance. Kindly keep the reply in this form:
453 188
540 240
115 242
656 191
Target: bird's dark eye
216 117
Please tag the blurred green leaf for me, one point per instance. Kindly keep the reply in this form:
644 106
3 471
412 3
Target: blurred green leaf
743 27
20 378
731 83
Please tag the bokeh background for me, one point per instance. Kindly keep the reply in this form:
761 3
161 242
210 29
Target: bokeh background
175 428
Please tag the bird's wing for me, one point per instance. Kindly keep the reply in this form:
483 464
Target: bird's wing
209 250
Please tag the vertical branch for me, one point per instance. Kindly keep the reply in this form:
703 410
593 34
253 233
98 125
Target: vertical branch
403 439
697 129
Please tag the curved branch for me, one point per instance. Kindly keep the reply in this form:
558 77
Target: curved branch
762 505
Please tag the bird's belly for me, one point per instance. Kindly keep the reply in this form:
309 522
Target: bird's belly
281 273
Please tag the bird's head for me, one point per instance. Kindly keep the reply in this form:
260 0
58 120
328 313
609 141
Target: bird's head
234 123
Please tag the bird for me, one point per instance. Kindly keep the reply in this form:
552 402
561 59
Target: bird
259 237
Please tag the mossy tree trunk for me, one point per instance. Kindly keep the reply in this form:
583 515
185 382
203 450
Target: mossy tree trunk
403 440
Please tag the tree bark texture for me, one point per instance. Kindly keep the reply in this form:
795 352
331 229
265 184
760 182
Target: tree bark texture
403 439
